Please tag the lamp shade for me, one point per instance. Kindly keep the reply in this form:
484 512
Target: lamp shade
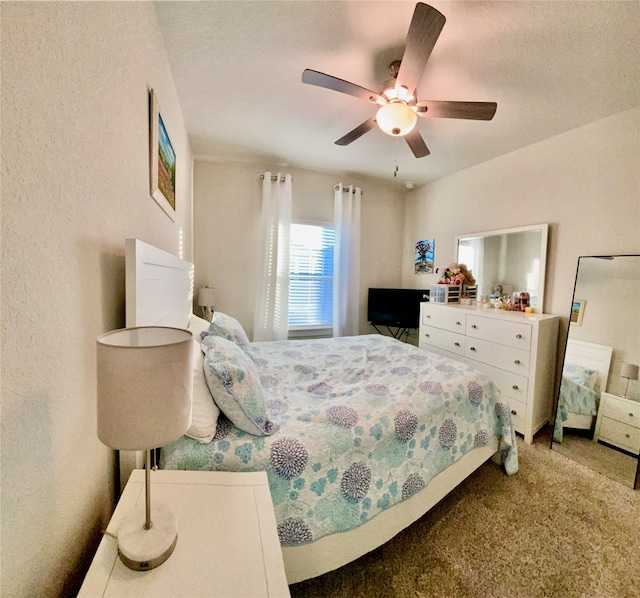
144 386
396 118
206 297
629 370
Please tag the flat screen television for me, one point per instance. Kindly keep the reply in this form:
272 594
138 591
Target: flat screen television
395 307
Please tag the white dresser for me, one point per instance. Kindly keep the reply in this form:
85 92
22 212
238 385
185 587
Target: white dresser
618 422
516 350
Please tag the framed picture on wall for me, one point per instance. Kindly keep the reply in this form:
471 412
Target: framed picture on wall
577 311
423 261
162 160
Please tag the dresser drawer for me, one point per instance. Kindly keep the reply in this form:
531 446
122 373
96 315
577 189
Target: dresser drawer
518 414
622 410
449 341
509 384
447 319
513 334
620 434
500 356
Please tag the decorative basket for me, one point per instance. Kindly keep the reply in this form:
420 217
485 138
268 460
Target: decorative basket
445 293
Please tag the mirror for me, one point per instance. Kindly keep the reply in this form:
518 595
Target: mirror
597 419
507 261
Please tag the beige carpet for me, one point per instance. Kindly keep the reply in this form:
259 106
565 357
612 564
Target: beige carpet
614 464
554 529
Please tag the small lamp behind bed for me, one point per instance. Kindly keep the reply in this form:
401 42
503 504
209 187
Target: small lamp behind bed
207 301
144 401
630 372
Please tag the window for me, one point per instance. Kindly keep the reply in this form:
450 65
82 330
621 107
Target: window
311 276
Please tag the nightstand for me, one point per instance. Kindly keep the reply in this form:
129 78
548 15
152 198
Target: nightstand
618 422
227 540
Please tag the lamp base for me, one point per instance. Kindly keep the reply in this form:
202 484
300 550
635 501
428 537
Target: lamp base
142 549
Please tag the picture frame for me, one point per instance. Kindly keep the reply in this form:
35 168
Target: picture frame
423 262
577 311
162 160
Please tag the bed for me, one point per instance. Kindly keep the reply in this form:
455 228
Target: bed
584 377
359 436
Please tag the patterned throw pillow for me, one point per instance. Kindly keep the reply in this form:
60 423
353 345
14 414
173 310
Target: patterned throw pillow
227 327
234 382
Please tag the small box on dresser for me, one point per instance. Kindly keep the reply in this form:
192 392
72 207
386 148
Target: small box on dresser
516 350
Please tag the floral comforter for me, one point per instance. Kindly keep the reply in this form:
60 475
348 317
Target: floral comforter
365 423
574 398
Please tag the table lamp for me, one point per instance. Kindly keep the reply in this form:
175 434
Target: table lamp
630 372
144 402
207 301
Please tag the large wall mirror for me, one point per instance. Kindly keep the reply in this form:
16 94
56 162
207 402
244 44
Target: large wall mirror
507 261
598 407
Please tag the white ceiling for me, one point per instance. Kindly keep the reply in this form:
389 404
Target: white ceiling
550 66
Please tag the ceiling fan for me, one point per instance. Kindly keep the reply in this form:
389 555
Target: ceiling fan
398 107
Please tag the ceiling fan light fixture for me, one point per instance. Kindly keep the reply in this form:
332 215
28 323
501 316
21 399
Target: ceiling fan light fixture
396 118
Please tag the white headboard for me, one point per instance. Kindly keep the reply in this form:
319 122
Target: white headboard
159 286
590 355
159 292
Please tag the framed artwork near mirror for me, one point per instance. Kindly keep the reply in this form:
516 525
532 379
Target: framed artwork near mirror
597 419
577 311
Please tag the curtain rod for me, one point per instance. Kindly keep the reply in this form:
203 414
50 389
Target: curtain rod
346 189
274 178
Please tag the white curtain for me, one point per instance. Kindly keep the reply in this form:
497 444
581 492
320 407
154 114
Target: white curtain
346 261
272 301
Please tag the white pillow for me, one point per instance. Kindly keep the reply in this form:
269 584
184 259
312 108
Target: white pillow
197 326
204 411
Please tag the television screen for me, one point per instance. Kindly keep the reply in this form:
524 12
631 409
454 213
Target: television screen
396 307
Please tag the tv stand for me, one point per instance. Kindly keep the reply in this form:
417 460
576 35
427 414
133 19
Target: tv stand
397 334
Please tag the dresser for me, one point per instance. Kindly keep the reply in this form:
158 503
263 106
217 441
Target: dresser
227 540
618 422
516 350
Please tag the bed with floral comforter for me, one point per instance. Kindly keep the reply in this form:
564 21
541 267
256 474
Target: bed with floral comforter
363 423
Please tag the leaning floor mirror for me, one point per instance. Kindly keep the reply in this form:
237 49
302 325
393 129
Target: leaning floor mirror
597 419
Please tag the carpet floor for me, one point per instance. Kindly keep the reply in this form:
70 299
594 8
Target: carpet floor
556 528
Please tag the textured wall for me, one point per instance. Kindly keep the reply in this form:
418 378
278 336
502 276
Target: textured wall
584 183
74 186
227 201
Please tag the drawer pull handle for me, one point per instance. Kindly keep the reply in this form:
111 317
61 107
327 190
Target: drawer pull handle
627 436
458 324
473 326
516 361
515 387
428 316
514 412
472 348
427 335
457 344
631 415
518 336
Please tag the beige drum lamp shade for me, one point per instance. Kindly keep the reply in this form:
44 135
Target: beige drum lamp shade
144 386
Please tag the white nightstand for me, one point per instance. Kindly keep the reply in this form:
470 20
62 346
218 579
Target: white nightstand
227 540
618 422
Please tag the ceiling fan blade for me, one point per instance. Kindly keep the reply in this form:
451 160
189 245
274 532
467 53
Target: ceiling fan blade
331 82
424 30
359 131
469 110
416 143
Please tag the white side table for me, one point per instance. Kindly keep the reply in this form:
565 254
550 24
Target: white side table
618 422
227 540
